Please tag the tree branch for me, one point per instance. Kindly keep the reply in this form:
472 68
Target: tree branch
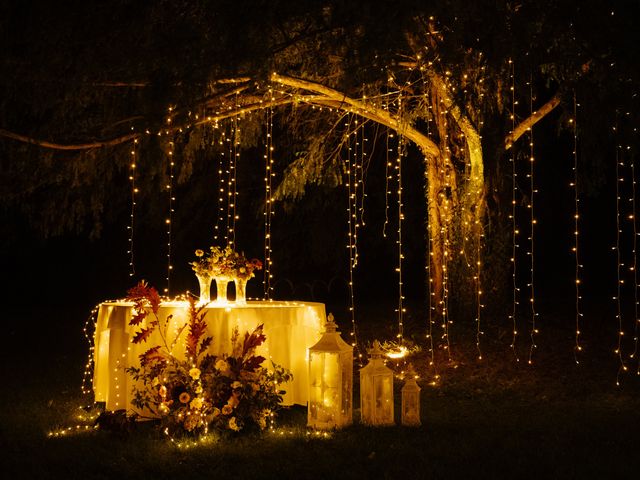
140 84
531 120
341 100
60 146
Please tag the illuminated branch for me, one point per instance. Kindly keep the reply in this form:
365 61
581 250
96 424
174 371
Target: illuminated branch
340 100
326 97
530 121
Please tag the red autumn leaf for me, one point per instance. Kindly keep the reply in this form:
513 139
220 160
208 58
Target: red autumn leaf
142 335
139 291
142 293
197 328
253 340
151 356
204 345
154 299
252 363
138 317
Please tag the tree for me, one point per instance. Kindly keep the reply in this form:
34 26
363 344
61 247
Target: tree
445 77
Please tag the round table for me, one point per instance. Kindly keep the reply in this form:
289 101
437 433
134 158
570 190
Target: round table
290 327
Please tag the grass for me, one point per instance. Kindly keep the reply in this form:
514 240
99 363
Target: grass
492 419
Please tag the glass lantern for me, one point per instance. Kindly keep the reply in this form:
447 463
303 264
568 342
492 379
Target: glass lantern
376 389
330 380
411 400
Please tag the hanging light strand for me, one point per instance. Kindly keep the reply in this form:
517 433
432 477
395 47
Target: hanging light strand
401 309
362 171
234 166
351 222
532 190
220 188
478 281
134 191
514 229
576 219
354 147
431 307
635 261
445 230
89 330
169 219
619 280
430 292
387 182
268 205
229 180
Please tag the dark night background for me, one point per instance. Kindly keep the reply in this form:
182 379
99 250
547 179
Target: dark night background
64 217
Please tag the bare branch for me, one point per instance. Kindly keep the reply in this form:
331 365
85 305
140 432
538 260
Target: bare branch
116 84
60 146
531 120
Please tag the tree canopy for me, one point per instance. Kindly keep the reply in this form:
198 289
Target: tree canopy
80 82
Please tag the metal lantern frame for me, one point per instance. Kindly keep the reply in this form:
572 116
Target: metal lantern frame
330 381
376 390
410 413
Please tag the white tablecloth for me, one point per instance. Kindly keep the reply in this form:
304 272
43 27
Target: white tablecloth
290 327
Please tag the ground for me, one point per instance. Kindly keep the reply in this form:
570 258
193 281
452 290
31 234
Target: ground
492 419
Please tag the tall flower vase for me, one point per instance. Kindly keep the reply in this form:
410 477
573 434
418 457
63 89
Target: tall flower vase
221 287
241 291
204 282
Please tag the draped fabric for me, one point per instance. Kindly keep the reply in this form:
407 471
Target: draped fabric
290 327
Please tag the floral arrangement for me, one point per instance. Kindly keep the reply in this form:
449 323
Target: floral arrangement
228 392
225 263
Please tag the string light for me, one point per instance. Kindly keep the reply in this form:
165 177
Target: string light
430 293
220 188
401 310
512 216
169 220
89 333
478 281
134 191
65 432
620 281
387 177
576 217
234 169
445 230
635 264
352 203
530 206
268 205
362 168
353 148
230 174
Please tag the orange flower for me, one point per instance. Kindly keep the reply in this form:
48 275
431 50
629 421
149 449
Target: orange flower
184 397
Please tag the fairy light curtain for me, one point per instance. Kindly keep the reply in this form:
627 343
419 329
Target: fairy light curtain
269 175
134 191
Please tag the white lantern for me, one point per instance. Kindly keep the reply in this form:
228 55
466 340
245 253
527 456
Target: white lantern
411 400
376 389
330 380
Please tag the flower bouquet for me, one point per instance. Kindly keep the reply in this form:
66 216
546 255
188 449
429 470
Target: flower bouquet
231 392
223 266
